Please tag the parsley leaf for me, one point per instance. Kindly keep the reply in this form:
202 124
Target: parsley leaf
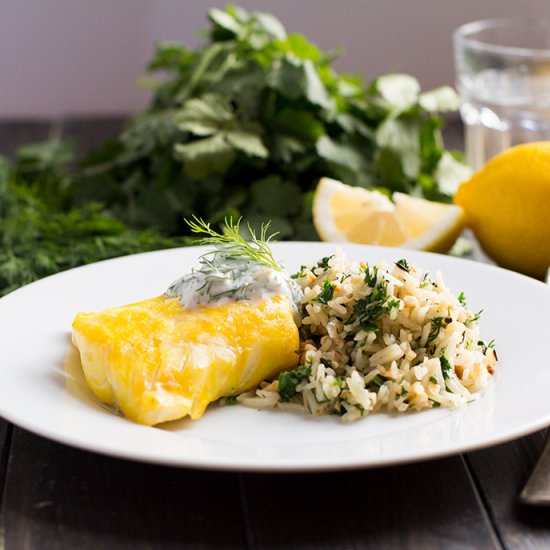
326 294
371 275
375 305
402 264
446 368
324 262
437 323
245 124
377 382
288 380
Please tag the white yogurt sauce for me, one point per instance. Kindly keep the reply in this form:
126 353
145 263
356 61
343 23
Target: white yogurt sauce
222 278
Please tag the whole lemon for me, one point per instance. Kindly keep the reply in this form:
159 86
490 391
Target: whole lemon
507 205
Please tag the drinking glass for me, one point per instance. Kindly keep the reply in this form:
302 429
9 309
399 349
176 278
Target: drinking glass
503 78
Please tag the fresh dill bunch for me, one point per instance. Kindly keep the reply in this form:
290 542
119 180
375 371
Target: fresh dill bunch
40 238
232 243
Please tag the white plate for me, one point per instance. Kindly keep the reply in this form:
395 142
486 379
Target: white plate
42 387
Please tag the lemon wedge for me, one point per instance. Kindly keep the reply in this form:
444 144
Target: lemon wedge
342 213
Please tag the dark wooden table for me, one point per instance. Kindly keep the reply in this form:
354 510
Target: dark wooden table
54 496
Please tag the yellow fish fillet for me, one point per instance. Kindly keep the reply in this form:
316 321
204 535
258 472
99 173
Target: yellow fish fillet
157 361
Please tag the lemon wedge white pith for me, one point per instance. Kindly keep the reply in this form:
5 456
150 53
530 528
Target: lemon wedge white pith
342 213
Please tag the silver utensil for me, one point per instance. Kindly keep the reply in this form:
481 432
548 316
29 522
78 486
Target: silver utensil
537 488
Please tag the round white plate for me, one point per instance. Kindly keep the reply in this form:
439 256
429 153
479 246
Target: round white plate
42 388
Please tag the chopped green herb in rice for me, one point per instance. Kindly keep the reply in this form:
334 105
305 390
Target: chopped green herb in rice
379 337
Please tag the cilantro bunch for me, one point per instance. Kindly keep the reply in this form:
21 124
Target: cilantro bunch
243 126
247 124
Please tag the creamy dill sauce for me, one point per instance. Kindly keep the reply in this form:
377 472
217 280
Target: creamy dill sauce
223 278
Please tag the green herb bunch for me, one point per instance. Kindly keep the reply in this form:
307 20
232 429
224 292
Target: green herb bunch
241 127
40 235
247 124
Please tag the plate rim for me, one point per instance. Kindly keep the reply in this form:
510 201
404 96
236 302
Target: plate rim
273 467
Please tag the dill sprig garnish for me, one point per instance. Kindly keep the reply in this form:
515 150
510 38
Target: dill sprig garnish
232 243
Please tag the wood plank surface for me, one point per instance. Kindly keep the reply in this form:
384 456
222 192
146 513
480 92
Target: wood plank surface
90 133
59 497
5 438
500 473
15 133
432 504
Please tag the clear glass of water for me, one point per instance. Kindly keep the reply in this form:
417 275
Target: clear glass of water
503 78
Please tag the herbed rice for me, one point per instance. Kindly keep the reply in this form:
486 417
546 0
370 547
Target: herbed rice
382 337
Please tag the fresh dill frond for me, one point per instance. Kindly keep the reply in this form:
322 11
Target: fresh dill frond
232 243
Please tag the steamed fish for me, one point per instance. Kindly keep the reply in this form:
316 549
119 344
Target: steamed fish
156 361
217 331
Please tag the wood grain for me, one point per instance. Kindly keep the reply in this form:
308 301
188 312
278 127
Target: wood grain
500 473
59 497
15 133
90 133
5 436
426 505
